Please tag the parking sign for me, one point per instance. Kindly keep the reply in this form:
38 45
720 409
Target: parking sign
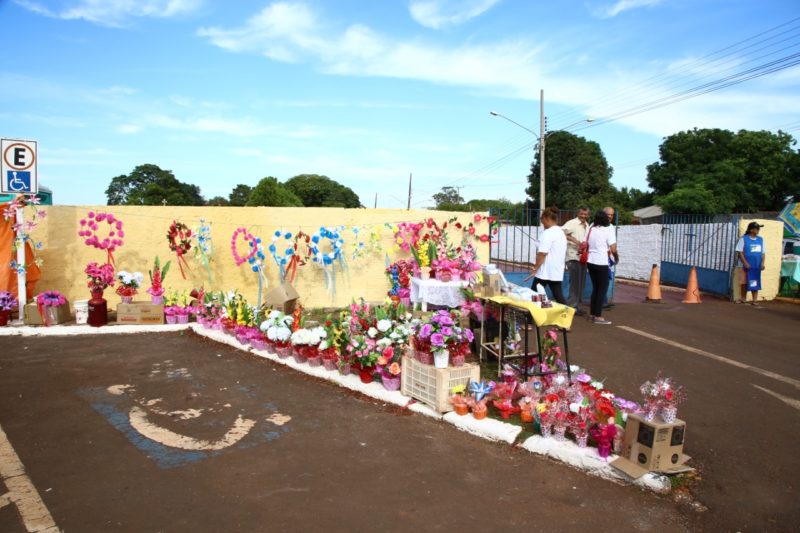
18 168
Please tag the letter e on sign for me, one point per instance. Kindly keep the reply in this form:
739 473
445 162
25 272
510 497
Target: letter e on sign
18 162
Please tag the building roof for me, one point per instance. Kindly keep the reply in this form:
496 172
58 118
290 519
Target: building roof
648 212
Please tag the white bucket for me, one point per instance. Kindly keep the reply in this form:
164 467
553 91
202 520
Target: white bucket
81 311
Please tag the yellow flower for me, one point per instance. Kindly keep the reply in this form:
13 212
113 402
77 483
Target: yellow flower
541 407
458 389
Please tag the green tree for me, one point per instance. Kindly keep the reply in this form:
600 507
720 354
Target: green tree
321 191
576 173
269 191
217 201
239 195
449 196
150 185
718 171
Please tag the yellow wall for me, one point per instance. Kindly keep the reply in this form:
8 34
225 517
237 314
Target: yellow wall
65 255
772 233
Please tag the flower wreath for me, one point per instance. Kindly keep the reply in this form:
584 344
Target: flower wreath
331 234
250 238
290 259
372 243
204 247
179 238
90 226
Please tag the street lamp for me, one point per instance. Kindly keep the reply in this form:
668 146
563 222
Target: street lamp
541 138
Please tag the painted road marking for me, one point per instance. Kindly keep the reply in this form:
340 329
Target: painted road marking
767 373
139 422
791 402
21 491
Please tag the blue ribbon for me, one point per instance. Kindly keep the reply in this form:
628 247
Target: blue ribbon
481 389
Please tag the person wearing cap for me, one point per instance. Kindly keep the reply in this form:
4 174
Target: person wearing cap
750 251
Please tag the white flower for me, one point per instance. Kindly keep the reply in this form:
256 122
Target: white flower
575 369
274 314
597 385
384 325
384 342
324 345
138 277
575 407
609 395
282 334
372 332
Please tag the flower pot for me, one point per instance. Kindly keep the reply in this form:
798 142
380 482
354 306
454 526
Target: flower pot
366 375
406 301
183 319
157 300
445 276
426 358
329 363
171 319
603 450
344 369
669 413
546 430
81 311
314 361
258 344
560 433
241 337
4 315
441 358
461 409
127 299
283 351
391 383
217 325
526 416
479 412
581 440
98 310
457 360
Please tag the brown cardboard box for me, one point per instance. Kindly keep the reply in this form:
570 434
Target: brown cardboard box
283 298
491 285
33 318
140 313
652 447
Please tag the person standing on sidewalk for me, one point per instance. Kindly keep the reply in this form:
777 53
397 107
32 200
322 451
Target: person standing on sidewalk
548 271
602 244
750 251
575 231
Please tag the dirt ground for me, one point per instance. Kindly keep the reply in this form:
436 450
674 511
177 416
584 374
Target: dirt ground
253 446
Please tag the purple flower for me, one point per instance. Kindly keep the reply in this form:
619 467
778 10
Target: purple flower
447 331
425 331
446 321
469 334
437 339
583 378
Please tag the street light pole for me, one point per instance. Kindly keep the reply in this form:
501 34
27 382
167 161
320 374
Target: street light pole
541 152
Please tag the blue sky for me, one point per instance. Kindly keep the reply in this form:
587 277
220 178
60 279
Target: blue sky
367 92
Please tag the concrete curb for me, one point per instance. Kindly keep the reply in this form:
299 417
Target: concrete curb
61 330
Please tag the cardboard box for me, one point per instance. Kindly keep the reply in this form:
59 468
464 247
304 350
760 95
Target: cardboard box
60 315
492 285
140 313
652 447
283 298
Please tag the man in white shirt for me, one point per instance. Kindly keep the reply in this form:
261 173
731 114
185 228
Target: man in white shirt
575 231
548 271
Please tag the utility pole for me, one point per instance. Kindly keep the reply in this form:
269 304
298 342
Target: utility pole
376 200
542 137
408 208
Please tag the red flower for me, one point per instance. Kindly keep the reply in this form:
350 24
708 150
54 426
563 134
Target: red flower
471 230
458 225
491 219
477 218
484 238
430 222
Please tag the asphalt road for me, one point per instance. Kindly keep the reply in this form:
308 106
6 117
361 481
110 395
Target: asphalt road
276 451
87 417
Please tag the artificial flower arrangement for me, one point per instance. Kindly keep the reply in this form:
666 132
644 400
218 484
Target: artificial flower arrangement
400 273
662 397
176 307
157 275
305 342
100 277
328 346
128 284
458 399
8 302
23 231
479 397
210 312
440 336
47 302
278 329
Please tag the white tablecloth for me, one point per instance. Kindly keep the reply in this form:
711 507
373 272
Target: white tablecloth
435 292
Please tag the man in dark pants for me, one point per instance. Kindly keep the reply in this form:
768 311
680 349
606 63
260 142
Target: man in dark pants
575 231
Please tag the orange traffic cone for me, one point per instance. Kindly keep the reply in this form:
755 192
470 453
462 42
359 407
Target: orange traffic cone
692 295
654 288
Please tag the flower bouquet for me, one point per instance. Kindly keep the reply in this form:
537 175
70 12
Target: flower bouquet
278 328
157 275
362 350
662 398
480 392
459 399
47 304
434 336
100 277
128 285
7 304
604 435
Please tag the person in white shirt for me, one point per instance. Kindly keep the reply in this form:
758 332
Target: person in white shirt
548 271
602 243
575 231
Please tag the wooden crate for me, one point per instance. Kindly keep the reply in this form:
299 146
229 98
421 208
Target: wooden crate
431 385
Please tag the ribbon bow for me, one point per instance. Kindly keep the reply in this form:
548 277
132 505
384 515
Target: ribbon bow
481 389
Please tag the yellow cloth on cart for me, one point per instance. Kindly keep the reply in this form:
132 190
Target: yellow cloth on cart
559 315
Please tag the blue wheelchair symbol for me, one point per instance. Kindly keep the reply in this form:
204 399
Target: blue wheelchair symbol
19 181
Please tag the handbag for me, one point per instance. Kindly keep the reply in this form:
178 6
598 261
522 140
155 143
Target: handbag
583 249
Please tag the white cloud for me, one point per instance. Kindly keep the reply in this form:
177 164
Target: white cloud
620 6
114 13
437 14
236 127
129 129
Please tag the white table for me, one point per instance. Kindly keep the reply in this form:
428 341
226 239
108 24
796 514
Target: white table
435 292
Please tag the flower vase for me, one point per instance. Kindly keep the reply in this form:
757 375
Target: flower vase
669 413
329 363
314 361
425 272
344 369
98 309
457 360
582 439
603 449
127 299
479 412
391 383
650 413
171 319
4 315
619 442
157 300
366 375
441 358
546 430
559 432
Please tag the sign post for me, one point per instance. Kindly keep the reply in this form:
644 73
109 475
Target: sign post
18 175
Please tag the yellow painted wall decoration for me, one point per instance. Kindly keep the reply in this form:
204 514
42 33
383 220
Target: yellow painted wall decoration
65 255
772 233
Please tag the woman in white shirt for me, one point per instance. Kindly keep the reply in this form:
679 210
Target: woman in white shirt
548 271
602 242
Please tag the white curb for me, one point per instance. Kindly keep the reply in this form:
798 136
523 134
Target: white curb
61 330
487 428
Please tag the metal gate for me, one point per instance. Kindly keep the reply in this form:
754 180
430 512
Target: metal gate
513 249
703 241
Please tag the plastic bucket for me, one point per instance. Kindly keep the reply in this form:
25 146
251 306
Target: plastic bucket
81 311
